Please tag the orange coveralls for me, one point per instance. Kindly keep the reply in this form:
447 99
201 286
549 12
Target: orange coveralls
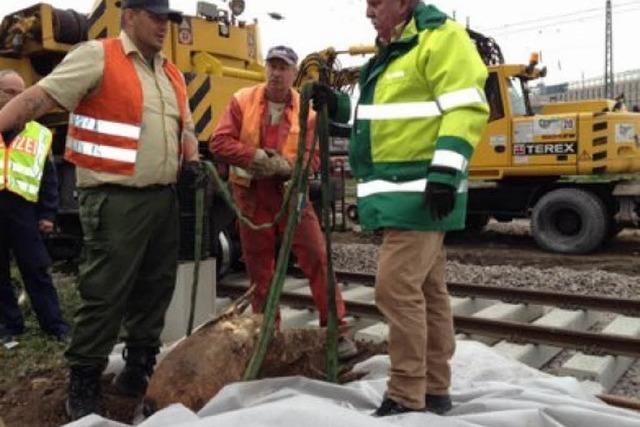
261 201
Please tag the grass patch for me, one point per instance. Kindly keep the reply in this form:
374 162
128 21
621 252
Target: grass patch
38 352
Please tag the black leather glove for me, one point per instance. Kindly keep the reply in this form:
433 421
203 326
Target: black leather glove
322 95
194 174
439 199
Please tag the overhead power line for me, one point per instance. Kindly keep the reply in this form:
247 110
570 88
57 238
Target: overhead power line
569 20
552 20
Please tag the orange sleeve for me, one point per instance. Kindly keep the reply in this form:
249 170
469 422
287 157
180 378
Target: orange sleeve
225 144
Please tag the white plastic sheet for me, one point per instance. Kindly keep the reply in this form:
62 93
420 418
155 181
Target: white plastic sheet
488 391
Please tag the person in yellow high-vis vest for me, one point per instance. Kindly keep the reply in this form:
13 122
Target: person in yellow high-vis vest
28 205
421 111
130 135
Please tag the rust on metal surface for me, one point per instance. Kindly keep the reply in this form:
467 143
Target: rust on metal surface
620 401
626 306
587 342
590 343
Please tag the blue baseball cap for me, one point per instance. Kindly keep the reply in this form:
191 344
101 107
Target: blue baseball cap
159 7
285 53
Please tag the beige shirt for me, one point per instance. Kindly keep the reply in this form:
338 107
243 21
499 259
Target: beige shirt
157 162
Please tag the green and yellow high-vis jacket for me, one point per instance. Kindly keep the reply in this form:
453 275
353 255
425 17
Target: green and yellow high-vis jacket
421 112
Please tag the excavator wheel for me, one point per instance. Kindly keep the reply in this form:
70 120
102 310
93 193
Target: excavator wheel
570 221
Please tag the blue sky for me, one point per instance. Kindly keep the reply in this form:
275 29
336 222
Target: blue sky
568 33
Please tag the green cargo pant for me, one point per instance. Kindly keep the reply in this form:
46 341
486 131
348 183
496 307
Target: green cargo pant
127 274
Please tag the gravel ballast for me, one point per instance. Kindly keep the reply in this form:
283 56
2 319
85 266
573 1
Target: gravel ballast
362 258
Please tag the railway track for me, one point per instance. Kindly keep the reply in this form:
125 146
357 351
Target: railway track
512 320
586 342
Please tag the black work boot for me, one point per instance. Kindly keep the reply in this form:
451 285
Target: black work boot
438 403
134 378
84 391
391 407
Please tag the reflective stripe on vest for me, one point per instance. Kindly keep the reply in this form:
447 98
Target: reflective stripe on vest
124 155
105 128
20 187
379 186
23 161
411 110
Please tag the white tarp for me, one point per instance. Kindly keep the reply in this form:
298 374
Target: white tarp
488 390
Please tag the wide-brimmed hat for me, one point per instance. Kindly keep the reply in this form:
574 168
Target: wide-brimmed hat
159 7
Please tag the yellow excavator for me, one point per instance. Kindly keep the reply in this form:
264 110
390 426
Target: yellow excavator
572 168
218 53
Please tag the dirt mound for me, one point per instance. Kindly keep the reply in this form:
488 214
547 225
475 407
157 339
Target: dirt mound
39 400
199 367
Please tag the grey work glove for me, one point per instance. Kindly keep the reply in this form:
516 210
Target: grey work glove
281 167
262 166
439 199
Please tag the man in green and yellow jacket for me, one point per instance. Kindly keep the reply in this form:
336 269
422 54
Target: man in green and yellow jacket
420 114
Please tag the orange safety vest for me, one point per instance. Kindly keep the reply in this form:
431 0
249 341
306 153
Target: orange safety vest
104 129
252 105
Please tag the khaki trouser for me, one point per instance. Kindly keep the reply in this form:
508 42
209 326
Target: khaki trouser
412 294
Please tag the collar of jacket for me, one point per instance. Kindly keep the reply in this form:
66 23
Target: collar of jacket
425 17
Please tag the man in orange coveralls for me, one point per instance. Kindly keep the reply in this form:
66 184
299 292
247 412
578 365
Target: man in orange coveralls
258 136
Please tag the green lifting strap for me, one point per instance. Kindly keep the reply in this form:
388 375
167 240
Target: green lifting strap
197 253
293 203
298 186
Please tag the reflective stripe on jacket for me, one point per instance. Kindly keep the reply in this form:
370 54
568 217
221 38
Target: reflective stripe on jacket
22 162
421 112
104 130
252 103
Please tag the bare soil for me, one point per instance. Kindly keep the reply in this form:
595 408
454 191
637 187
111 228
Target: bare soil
39 400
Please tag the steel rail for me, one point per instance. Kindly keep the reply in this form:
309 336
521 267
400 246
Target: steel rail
587 342
590 343
626 306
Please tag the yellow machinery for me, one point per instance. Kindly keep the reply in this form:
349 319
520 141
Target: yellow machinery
572 168
217 52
